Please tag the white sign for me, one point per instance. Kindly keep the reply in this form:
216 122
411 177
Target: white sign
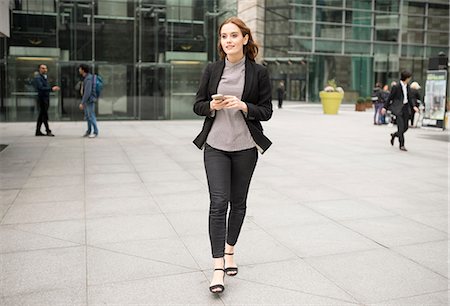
435 93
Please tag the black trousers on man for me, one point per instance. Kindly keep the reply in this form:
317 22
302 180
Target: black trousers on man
229 175
402 124
43 116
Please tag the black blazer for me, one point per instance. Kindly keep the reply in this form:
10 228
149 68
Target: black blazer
42 87
257 95
395 99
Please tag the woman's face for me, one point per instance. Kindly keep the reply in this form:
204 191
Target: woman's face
232 41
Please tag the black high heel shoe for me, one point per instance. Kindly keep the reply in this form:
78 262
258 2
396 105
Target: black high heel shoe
231 271
218 288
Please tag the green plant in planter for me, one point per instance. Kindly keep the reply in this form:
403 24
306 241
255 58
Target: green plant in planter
332 87
360 105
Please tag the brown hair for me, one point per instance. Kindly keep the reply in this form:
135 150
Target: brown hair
250 49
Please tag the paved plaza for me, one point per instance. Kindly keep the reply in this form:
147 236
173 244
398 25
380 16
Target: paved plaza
336 215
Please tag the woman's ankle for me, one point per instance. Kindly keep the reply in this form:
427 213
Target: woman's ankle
229 249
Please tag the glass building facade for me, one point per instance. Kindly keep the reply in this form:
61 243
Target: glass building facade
356 42
150 54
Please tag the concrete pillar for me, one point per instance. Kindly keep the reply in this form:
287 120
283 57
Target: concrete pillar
252 13
4 18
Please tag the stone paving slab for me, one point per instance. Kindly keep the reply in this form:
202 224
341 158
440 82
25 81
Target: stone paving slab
336 215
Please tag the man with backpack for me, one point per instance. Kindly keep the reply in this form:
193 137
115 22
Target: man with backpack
89 97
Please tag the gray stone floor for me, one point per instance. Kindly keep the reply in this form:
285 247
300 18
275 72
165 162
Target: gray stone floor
336 216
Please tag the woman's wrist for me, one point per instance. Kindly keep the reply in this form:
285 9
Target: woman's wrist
244 107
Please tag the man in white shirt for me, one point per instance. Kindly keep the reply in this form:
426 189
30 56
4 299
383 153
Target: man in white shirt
400 103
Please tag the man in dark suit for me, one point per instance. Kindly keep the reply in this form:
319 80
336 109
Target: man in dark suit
400 103
43 89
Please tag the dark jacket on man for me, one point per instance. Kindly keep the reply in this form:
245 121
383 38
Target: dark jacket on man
257 96
43 88
395 100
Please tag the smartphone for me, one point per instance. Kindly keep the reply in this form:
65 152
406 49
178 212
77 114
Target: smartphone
217 97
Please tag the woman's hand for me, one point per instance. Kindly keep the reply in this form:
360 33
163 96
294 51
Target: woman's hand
234 102
217 104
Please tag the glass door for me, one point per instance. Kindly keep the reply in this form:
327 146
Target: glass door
75 29
21 102
151 71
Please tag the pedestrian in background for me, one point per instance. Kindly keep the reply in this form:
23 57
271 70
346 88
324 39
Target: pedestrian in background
400 103
378 102
88 101
231 135
384 94
43 89
281 93
416 101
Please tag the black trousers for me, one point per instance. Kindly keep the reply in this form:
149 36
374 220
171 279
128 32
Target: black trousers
43 116
229 175
402 124
280 101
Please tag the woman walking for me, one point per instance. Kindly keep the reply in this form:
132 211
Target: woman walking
231 136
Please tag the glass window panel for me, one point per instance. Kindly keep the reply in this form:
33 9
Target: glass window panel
358 17
75 29
438 24
413 51
337 3
438 10
114 8
301 29
387 6
329 15
35 5
386 21
416 8
307 2
385 48
328 46
413 37
437 38
114 40
33 30
359 4
434 51
302 13
386 35
304 45
328 31
357 48
413 22
358 33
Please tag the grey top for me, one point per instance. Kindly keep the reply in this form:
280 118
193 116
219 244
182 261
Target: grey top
229 131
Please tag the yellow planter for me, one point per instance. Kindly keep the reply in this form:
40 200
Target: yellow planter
331 101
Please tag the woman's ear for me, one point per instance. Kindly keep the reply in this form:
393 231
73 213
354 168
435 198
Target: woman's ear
245 39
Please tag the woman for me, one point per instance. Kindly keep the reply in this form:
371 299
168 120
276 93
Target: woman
231 135
417 101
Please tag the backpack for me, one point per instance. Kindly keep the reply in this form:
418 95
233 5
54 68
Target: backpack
98 82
